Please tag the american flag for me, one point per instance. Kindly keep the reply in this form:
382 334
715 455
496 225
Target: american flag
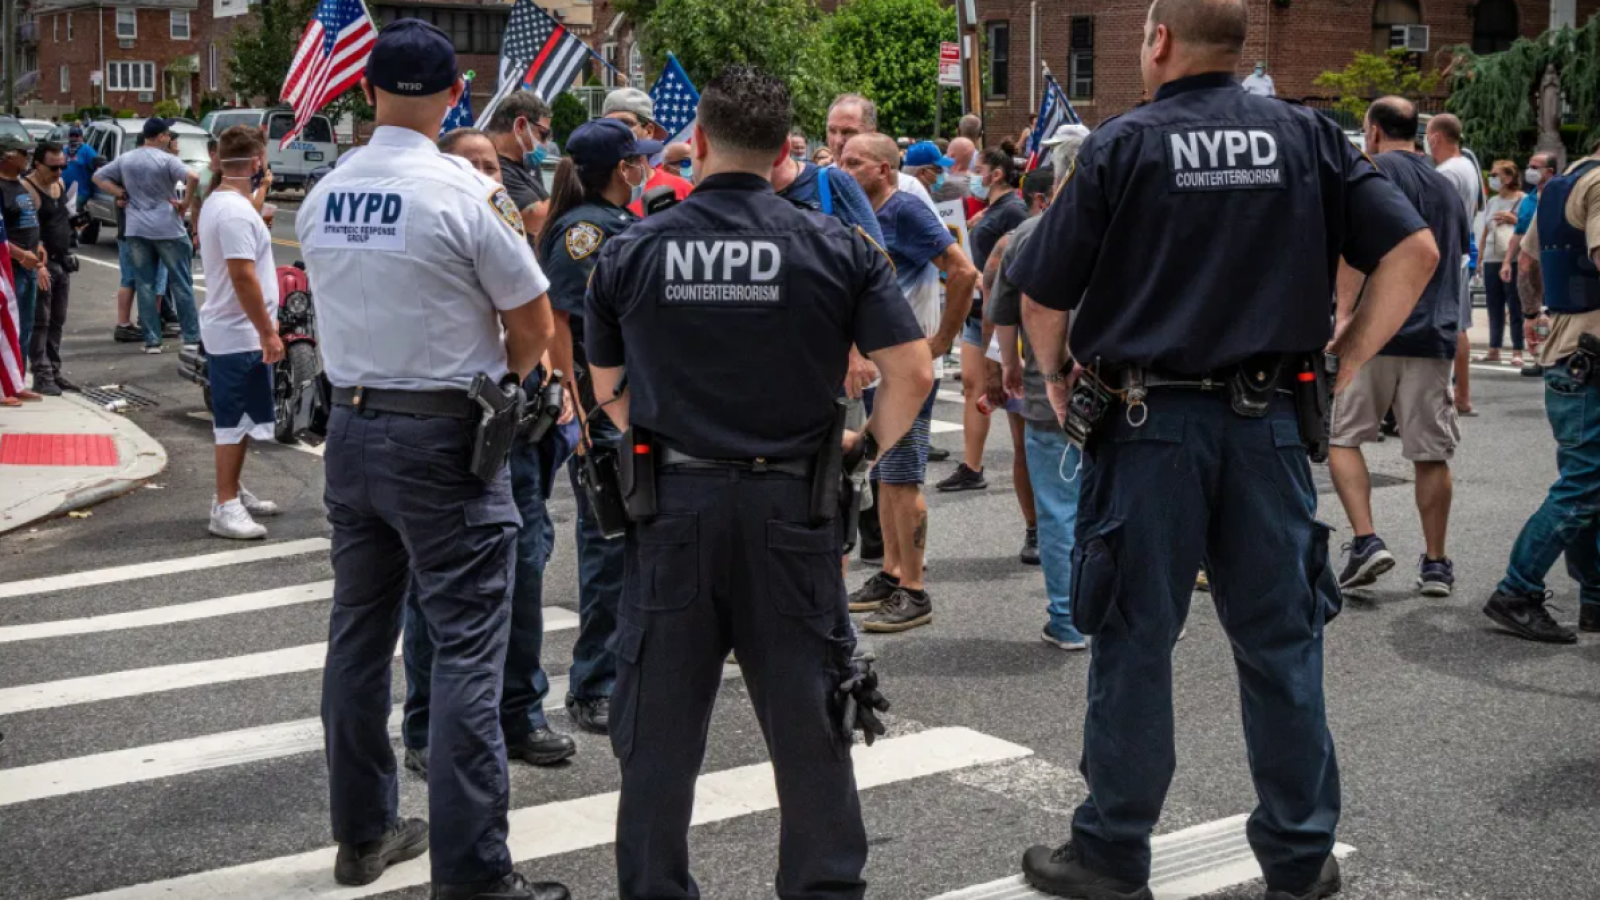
537 54
331 58
675 100
1055 111
460 115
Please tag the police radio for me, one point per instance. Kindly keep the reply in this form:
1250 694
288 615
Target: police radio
601 478
658 200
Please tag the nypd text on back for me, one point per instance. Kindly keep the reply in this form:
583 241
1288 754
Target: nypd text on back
364 220
724 271
1221 159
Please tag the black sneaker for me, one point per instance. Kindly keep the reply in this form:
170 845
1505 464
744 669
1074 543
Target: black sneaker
1526 617
127 334
871 595
47 385
1533 370
1030 548
963 479
1061 873
903 611
1437 577
938 454
171 329
363 863
542 747
65 384
417 761
511 887
593 716
1326 885
1589 617
1369 558
871 550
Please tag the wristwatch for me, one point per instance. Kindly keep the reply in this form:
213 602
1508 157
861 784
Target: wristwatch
1061 375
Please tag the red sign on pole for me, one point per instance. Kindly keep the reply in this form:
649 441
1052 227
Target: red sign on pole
950 65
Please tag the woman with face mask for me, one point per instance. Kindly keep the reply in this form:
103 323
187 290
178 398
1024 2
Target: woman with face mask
1499 226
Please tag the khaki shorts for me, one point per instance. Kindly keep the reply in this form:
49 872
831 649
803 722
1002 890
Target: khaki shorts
1418 390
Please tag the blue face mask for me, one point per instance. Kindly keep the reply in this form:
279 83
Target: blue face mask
534 158
938 183
686 169
978 188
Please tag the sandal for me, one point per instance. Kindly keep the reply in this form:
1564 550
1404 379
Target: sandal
1516 360
10 401
30 396
1493 356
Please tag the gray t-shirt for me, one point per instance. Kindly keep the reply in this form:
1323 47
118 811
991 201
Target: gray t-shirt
150 176
1464 177
1005 308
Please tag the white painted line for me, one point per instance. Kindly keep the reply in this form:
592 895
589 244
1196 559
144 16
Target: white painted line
118 266
936 426
162 567
1188 863
952 397
1502 370
137 682
167 615
538 832
184 757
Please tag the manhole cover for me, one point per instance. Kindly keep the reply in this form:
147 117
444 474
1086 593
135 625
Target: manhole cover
130 396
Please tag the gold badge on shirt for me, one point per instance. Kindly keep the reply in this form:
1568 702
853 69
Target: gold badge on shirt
507 210
583 239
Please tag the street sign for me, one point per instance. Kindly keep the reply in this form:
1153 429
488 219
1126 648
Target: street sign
950 65
94 77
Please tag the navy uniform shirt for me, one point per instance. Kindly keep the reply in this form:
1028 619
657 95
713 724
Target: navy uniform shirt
734 313
1206 227
569 250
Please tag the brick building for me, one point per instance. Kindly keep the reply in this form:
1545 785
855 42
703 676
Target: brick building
1092 46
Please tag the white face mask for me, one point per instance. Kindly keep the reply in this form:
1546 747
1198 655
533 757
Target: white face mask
1534 176
1494 183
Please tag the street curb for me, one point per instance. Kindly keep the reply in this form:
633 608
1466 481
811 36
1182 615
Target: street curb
145 459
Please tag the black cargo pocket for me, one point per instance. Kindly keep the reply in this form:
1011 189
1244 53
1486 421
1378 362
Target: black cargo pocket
1327 601
492 520
669 563
803 577
627 642
1095 580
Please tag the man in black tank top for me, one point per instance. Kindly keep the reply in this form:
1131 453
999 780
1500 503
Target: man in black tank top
55 233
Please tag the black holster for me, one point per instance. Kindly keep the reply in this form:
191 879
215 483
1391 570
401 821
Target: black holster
1086 406
503 408
827 471
544 409
637 473
1314 374
1584 364
1252 385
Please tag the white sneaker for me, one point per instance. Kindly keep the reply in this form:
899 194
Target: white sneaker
232 520
255 505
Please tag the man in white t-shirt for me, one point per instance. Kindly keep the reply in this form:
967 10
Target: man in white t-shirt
1444 145
239 327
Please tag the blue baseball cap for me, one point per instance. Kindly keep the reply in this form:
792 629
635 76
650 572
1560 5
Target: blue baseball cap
926 153
603 143
413 59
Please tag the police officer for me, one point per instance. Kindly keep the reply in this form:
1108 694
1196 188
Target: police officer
1201 454
417 262
605 169
733 313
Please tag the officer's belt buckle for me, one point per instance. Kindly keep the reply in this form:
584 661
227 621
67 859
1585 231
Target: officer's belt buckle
759 464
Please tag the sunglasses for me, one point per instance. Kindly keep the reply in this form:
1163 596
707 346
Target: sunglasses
52 168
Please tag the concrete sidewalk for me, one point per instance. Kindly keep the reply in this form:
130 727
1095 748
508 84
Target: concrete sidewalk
66 453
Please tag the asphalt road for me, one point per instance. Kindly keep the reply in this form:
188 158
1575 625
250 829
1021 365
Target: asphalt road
1469 757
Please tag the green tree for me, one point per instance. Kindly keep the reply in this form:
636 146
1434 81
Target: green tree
784 37
1495 94
889 51
167 109
1369 77
566 114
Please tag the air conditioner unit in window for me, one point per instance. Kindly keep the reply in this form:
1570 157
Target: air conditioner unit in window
125 43
147 97
1414 38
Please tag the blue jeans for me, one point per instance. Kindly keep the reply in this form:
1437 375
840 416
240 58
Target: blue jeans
1198 481
522 698
1569 519
130 279
26 284
1055 499
1505 310
600 564
176 255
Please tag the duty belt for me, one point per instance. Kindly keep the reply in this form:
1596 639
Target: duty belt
674 459
446 404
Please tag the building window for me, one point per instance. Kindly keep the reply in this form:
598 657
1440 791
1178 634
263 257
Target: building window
214 79
1385 15
608 52
180 24
66 79
1080 59
127 24
55 29
1494 26
69 26
130 76
999 58
636 63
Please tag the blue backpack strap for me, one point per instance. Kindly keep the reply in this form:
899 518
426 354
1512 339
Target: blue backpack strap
825 190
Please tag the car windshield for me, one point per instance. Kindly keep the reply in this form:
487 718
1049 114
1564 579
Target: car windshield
192 148
13 128
221 122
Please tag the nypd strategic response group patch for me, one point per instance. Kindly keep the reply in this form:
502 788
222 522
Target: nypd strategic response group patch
583 239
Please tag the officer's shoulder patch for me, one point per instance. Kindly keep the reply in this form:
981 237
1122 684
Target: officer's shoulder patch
507 210
583 239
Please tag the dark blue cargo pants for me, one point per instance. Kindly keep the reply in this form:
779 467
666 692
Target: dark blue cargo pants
404 506
732 562
1198 481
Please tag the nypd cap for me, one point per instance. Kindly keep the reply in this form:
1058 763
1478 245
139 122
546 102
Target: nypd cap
603 143
413 59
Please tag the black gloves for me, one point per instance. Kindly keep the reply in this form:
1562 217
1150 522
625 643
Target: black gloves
860 702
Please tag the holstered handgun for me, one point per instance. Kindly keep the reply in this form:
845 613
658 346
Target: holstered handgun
827 472
637 471
601 480
544 410
503 408
1313 401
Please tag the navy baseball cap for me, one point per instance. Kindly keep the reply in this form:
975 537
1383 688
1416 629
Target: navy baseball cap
74 131
413 59
603 143
154 128
926 153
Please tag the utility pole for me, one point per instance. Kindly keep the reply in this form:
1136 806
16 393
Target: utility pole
9 23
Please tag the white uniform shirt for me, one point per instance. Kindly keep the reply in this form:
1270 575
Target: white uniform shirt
1260 85
411 253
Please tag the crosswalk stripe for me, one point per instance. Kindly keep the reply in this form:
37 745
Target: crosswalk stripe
162 567
189 755
136 682
1189 863
167 615
538 832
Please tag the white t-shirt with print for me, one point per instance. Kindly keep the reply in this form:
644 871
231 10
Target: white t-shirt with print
231 228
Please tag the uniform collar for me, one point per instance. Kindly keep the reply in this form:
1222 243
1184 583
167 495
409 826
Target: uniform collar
734 181
404 138
1202 82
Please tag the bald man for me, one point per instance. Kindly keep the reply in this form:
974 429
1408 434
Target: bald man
921 247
